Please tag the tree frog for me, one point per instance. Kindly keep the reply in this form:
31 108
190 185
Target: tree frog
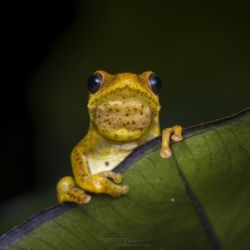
124 113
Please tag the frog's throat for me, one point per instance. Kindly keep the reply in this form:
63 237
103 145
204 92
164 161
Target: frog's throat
122 135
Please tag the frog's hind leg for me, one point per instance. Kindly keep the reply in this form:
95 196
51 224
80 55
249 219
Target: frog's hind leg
103 182
175 133
68 192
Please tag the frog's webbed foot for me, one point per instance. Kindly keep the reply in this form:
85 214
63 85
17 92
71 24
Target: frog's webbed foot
68 192
175 133
103 182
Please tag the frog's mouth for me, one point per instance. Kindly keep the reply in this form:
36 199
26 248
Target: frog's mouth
123 117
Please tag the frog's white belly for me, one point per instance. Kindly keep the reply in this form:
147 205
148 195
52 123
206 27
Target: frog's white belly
105 163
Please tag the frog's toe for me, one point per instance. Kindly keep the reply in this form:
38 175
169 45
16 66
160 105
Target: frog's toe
125 189
83 199
79 196
177 133
166 152
122 190
117 178
177 137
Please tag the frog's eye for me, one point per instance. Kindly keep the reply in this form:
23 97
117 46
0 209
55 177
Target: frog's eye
94 82
155 83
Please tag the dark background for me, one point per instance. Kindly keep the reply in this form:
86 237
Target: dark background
200 49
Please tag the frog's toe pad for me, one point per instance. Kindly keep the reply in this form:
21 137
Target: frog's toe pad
117 178
122 191
176 137
84 200
166 152
125 189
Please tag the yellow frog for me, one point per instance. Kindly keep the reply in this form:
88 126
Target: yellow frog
124 113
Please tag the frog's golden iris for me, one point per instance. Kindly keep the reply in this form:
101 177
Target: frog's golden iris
124 113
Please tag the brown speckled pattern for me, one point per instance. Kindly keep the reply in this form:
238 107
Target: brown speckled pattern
131 114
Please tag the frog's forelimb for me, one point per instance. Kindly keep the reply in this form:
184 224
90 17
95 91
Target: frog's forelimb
175 133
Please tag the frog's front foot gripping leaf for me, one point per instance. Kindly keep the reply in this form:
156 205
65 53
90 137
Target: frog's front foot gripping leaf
175 133
104 182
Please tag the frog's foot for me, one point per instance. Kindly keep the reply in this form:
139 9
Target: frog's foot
175 133
115 177
68 192
101 183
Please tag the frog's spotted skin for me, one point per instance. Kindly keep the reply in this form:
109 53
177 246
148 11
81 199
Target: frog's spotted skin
124 113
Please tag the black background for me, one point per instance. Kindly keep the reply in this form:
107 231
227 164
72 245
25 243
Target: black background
29 31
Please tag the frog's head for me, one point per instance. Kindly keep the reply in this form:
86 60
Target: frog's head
124 106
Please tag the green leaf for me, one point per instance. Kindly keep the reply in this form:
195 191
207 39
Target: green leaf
197 199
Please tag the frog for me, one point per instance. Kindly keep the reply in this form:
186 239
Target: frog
123 114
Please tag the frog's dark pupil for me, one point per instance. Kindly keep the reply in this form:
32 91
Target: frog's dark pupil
94 82
155 83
